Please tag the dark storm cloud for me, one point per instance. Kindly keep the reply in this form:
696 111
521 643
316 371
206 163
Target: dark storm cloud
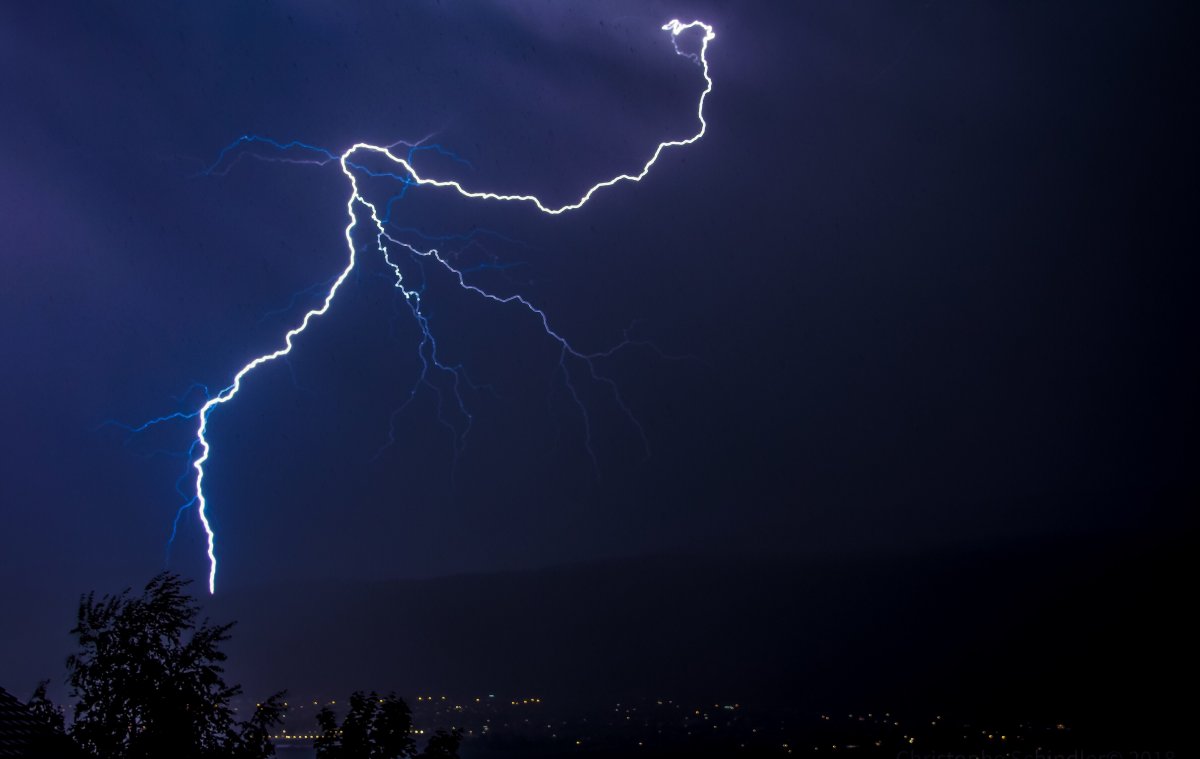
922 262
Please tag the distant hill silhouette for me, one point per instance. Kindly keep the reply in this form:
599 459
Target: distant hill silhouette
1087 631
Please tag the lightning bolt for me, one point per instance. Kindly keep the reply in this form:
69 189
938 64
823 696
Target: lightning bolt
386 244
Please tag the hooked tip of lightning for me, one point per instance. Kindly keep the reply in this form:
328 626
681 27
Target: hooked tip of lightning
677 27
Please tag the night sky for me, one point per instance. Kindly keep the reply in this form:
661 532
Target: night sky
926 283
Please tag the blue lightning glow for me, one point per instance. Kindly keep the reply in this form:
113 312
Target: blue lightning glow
407 174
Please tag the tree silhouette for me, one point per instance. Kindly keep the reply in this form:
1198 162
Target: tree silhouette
443 745
149 682
378 727
42 709
54 741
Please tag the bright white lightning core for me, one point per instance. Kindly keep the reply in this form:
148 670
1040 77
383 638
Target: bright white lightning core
383 240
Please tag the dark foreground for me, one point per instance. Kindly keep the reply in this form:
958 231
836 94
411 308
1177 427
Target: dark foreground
664 729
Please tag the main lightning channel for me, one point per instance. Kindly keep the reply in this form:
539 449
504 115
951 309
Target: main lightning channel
675 27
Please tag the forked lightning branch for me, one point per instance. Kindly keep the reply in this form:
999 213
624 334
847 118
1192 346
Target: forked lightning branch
389 247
